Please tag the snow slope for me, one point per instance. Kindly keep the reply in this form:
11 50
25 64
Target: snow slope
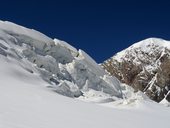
25 102
33 68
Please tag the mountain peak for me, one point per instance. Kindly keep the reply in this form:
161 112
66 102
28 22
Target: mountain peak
147 46
152 42
144 66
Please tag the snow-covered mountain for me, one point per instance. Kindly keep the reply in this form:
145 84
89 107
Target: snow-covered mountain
35 70
144 66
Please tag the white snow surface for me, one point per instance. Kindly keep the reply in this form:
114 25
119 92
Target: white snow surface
25 102
14 28
33 68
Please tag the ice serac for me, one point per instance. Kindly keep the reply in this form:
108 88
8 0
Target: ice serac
68 71
144 66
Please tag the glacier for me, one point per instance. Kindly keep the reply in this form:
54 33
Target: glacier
67 71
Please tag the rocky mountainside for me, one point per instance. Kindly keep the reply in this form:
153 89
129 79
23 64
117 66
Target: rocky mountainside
145 66
67 71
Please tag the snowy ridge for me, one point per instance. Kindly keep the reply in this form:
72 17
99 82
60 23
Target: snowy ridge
68 71
146 46
14 28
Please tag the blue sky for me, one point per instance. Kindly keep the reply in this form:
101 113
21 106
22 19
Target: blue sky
101 28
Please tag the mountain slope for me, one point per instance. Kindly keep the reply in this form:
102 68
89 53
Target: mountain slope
145 67
67 71
27 103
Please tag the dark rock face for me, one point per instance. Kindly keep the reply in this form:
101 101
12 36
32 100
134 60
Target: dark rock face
145 66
